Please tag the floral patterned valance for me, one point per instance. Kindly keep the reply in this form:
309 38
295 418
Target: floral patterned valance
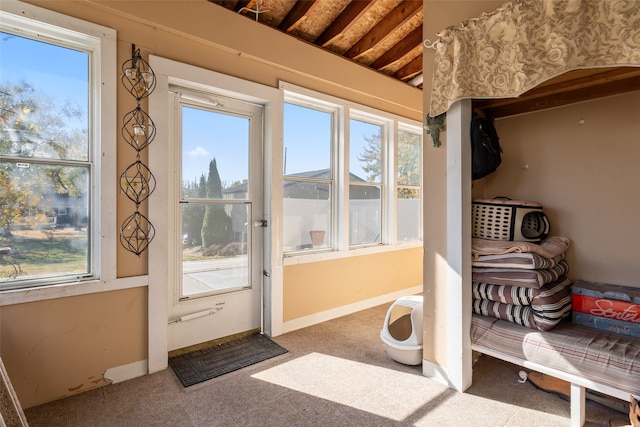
526 42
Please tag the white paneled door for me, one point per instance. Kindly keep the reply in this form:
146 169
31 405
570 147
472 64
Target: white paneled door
218 211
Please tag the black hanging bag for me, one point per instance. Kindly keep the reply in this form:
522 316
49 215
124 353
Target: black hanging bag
486 153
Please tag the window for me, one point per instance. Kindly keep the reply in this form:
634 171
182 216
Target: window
352 175
50 153
366 141
409 172
308 177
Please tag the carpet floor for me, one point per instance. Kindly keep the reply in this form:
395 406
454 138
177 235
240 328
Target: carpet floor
336 373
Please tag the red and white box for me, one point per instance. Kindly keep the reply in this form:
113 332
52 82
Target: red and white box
617 303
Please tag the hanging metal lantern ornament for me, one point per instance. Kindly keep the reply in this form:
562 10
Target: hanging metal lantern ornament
138 130
137 76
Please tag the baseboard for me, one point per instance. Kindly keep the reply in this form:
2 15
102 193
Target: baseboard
126 372
435 372
323 316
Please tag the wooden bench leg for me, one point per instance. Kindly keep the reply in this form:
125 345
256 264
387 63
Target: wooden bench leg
578 402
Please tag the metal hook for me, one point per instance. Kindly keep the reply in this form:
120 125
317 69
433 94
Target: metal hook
429 45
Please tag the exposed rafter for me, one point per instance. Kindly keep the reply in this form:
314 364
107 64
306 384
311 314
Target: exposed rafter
410 43
385 35
296 15
383 29
344 21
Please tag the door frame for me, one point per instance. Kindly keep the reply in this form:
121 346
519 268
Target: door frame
160 268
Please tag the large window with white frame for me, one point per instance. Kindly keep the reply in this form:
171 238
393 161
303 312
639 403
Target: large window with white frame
51 101
352 176
308 192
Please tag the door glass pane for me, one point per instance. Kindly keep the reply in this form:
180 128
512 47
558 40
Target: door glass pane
215 208
220 263
215 154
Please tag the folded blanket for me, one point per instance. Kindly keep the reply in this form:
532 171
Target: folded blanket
522 260
519 295
550 247
540 309
518 276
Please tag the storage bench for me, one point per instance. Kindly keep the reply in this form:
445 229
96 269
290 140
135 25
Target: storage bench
598 360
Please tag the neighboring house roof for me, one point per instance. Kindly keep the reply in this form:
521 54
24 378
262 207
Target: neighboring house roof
312 190
239 188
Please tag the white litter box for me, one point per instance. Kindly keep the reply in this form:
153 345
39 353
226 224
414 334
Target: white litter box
402 330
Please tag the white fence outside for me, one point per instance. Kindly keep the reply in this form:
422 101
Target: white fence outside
303 215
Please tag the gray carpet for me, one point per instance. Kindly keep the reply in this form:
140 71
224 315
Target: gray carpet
205 364
336 373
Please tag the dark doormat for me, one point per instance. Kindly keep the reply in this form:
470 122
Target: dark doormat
202 365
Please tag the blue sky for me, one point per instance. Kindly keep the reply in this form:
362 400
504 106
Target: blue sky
64 80
207 135
307 146
307 139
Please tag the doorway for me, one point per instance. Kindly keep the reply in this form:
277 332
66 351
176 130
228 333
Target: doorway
218 208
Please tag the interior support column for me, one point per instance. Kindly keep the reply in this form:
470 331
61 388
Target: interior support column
458 285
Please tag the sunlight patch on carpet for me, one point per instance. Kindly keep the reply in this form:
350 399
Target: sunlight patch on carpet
354 384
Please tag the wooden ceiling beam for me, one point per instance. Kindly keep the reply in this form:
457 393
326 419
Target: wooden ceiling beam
403 47
343 21
391 22
297 13
564 91
409 71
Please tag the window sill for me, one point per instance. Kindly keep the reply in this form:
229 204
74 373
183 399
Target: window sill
304 258
19 296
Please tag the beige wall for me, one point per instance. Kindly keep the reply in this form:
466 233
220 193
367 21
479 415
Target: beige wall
581 163
59 347
316 287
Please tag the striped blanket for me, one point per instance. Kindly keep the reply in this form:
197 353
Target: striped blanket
519 276
540 309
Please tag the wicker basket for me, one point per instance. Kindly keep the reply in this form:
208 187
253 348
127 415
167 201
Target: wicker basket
505 219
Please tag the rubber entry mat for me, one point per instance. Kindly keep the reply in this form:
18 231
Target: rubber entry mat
202 365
